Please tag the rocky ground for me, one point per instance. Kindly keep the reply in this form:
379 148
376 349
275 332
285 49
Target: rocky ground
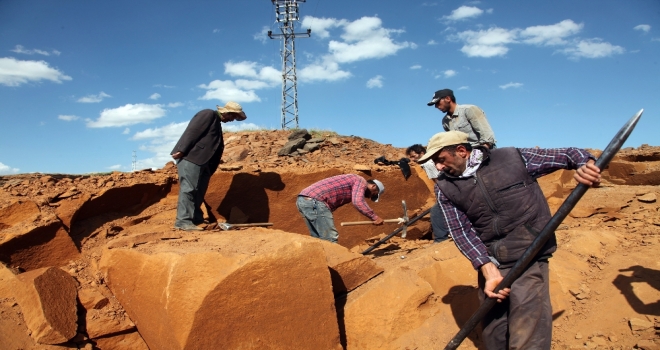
92 261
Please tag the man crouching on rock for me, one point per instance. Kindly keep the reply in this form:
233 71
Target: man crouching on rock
317 202
197 155
494 209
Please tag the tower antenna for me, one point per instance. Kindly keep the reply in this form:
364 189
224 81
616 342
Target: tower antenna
286 13
134 165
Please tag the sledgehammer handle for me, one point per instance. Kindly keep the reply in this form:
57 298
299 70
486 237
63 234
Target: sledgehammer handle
351 223
530 254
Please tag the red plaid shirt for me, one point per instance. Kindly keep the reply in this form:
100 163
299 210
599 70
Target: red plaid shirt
341 189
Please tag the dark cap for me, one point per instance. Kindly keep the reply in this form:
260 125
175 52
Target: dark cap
440 94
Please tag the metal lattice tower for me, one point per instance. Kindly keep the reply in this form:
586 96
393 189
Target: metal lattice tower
286 12
134 164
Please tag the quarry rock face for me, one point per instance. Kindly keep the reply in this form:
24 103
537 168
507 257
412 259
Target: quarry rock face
47 298
229 291
278 288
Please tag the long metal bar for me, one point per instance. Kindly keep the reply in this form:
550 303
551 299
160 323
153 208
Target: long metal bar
386 238
527 257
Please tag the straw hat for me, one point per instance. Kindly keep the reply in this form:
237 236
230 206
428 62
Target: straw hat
442 140
233 107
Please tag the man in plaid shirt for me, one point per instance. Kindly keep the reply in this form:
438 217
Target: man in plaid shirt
317 202
494 208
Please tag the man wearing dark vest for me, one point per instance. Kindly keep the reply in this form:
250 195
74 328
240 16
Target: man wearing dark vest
197 156
494 209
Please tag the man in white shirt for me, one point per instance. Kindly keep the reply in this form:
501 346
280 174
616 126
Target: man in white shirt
438 224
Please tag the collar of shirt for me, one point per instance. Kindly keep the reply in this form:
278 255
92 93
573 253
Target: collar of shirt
473 164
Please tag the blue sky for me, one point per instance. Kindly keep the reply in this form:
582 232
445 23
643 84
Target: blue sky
83 84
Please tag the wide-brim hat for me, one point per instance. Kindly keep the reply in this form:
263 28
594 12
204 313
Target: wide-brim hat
442 140
233 107
381 189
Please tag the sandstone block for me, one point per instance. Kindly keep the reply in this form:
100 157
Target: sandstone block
47 297
17 212
348 270
91 298
100 323
251 289
384 309
37 243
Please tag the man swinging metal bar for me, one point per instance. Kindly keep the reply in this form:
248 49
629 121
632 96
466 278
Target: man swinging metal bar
530 258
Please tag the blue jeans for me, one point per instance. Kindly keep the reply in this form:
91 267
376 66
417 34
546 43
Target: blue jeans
439 224
193 183
318 218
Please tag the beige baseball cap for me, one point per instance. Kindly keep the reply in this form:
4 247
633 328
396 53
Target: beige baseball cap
233 107
442 140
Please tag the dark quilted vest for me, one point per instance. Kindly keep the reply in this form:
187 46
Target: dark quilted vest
504 204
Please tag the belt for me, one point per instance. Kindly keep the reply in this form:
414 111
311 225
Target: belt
305 197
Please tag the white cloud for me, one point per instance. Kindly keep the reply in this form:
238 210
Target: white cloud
551 34
326 70
161 141
20 49
227 90
154 96
129 114
510 85
375 82
432 42
464 88
262 35
417 66
115 167
126 131
174 104
449 73
643 27
68 118
365 38
320 26
592 48
487 43
93 98
463 13
253 70
495 41
164 86
6 169
15 72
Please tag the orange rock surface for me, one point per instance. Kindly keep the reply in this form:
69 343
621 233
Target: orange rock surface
140 284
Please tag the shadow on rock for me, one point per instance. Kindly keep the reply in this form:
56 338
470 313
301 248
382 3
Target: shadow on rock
247 192
640 274
464 301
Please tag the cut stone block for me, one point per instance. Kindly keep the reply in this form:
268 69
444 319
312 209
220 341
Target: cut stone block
384 309
47 297
348 270
91 299
37 243
250 289
17 212
99 324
